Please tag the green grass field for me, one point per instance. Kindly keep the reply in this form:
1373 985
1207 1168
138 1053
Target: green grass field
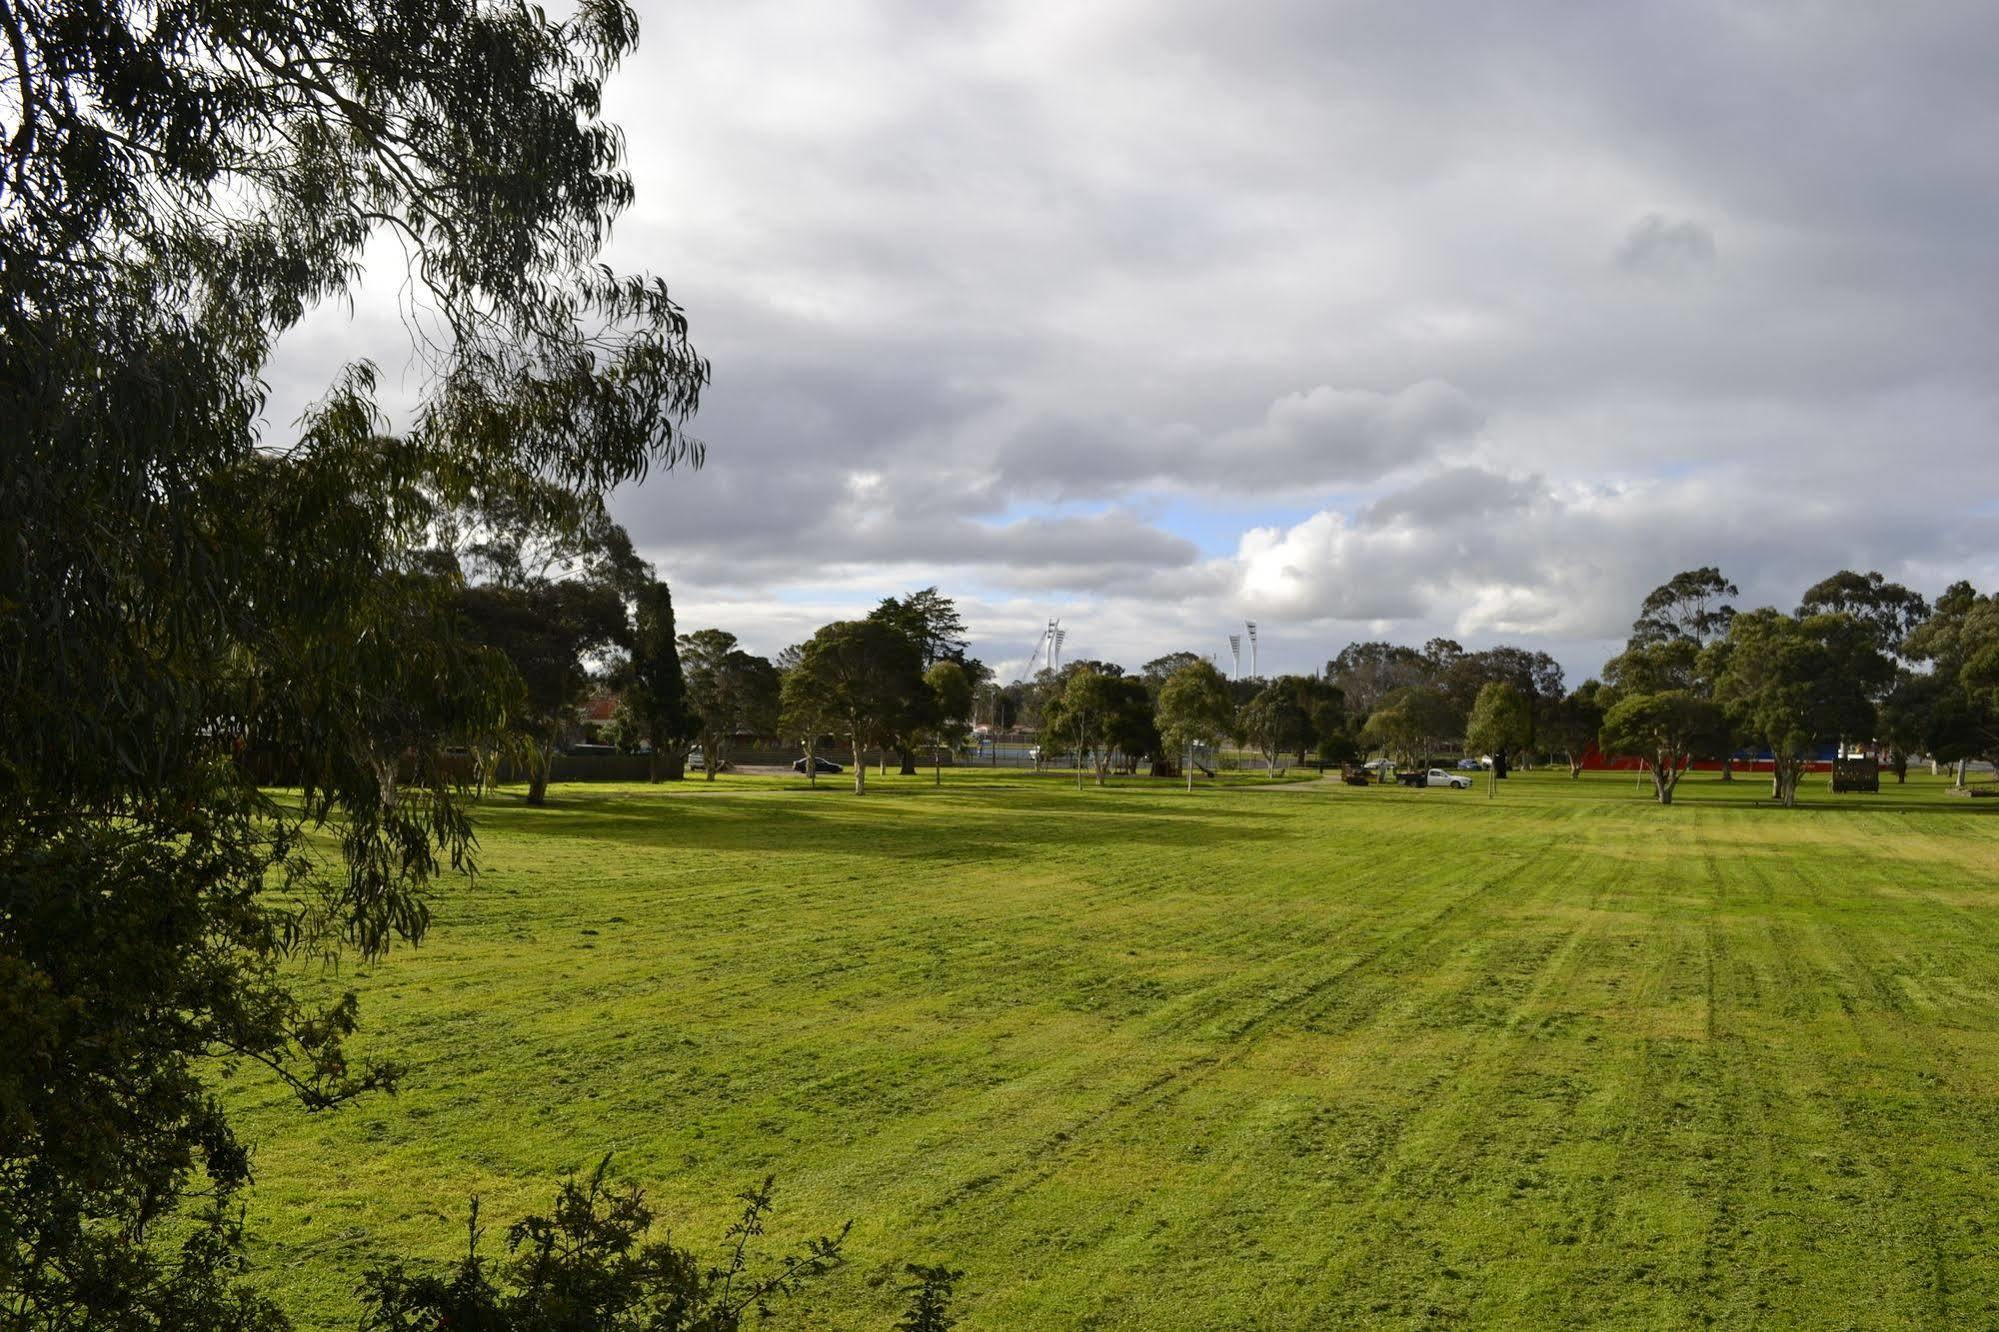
1304 1057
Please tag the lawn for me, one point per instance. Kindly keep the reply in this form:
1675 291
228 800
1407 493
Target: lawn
1258 1057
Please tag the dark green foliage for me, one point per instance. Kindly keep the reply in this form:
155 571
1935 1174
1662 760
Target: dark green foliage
1501 722
1094 709
862 679
1957 710
1535 676
931 623
1194 709
1794 683
1892 612
928 619
1664 730
1687 606
1277 720
1367 673
1574 723
655 685
728 691
547 629
184 605
589 1267
1410 724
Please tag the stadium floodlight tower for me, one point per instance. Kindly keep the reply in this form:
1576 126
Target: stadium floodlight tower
1235 656
1251 626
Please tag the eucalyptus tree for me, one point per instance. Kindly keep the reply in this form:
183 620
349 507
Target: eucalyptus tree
1367 673
1690 605
182 183
1892 613
950 686
1410 723
1088 713
1797 682
1501 721
1959 707
1574 724
1663 729
931 623
1276 721
729 691
549 631
1194 709
856 677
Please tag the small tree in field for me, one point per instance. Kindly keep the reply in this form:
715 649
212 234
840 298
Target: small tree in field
728 691
1088 710
1500 723
1409 724
951 707
1275 722
1662 730
1795 683
858 675
1575 724
1194 709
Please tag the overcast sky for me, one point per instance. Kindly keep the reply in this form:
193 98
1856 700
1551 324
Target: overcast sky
1384 320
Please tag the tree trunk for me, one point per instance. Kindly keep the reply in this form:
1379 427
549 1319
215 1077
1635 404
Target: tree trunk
1190 770
908 757
1575 767
860 767
1728 767
937 763
1784 780
538 775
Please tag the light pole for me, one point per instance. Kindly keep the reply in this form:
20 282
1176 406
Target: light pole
1251 626
1235 656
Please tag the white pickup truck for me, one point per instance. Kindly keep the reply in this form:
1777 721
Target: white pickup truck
1434 777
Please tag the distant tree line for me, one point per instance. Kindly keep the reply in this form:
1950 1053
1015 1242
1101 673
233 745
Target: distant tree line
1860 661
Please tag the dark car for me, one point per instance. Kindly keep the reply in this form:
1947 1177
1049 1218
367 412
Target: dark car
818 764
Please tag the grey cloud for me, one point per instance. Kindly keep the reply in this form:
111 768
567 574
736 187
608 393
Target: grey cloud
1421 268
1453 495
1305 441
1657 245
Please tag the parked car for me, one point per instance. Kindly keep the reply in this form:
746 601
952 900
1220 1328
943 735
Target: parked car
1438 777
1469 765
818 765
